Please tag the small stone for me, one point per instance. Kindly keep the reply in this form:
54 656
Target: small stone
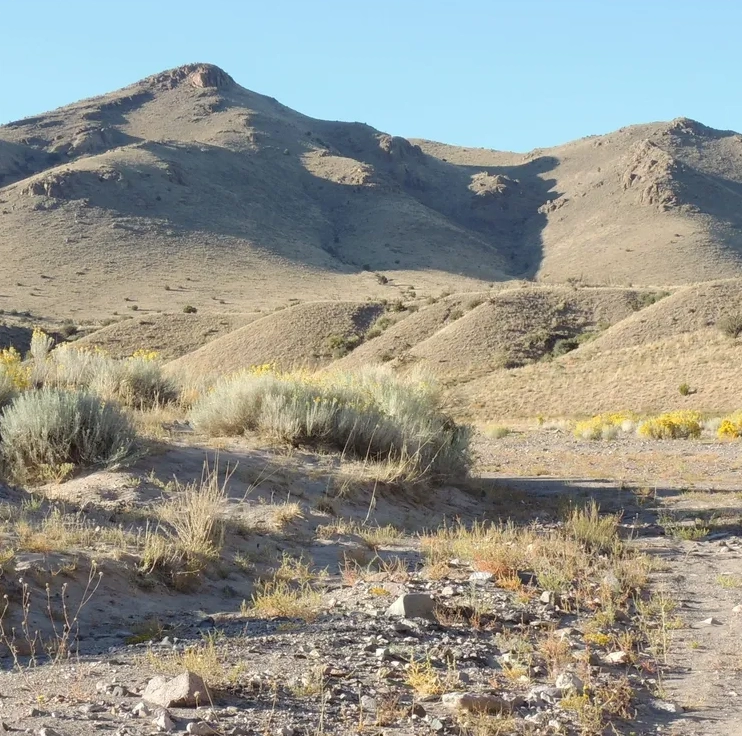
568 681
46 731
737 609
480 578
418 711
141 710
617 658
666 706
200 728
710 622
549 597
186 690
285 731
163 722
435 724
412 605
368 704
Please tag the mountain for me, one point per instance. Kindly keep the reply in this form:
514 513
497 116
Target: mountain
188 189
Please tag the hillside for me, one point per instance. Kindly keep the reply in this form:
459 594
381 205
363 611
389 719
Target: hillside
187 189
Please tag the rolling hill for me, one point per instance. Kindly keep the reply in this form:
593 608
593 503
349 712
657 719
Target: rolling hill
186 189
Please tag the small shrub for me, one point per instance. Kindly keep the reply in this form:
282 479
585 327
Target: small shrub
730 427
731 324
189 309
672 426
47 428
604 426
456 314
381 278
684 389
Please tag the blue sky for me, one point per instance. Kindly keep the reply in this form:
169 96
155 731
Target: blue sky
506 74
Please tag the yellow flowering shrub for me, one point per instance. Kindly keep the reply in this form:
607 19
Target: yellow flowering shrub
11 363
730 427
672 426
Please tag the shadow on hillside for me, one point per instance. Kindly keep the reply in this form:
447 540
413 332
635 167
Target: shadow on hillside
415 212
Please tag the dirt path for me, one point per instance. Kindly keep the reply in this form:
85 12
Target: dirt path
706 661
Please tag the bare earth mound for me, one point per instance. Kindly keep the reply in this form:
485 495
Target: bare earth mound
308 335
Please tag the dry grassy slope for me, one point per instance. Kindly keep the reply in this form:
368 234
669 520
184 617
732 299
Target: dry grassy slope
187 179
301 336
642 378
171 335
469 335
688 309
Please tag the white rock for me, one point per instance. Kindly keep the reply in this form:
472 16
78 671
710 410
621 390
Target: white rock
200 728
163 722
568 681
617 658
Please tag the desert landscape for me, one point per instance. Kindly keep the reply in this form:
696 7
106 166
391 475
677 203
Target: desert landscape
308 429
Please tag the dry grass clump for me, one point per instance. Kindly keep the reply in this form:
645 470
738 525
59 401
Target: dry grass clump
47 429
605 426
370 414
572 559
672 426
280 598
195 512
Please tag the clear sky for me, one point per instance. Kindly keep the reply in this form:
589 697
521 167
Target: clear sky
507 74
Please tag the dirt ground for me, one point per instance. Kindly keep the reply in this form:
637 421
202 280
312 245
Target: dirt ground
680 503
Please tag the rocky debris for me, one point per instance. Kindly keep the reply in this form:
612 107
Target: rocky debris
200 728
652 172
710 622
665 706
185 690
412 605
200 76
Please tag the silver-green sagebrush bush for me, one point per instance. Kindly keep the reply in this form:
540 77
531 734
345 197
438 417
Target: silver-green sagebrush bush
370 415
46 429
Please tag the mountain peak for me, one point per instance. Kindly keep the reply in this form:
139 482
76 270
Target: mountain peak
197 75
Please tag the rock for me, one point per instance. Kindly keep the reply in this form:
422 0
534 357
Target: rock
737 609
666 706
480 578
46 731
617 658
527 577
141 710
200 728
544 693
418 711
412 605
285 731
435 724
476 703
569 682
710 622
163 722
368 704
186 690
549 597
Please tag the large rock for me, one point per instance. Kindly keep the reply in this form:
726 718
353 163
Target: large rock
412 605
185 691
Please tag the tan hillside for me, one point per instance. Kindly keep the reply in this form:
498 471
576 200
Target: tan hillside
643 378
187 189
688 309
308 335
171 335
